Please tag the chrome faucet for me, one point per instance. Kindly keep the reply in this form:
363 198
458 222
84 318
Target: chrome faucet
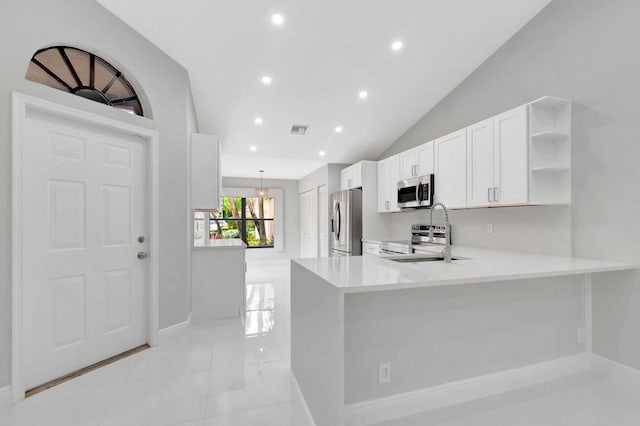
446 252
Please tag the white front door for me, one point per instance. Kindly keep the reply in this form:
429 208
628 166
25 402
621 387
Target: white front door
84 198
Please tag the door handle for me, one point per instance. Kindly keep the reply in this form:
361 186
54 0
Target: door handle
489 194
142 255
495 193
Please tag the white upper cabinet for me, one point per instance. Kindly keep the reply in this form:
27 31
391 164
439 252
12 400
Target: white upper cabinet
417 161
351 177
425 158
388 177
206 182
451 169
497 160
480 164
519 157
510 157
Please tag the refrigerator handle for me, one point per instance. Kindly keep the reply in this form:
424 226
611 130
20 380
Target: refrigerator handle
339 221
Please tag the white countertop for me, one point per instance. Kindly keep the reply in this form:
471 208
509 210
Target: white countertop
371 273
213 244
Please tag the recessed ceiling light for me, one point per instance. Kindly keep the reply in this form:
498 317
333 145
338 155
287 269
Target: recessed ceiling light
363 94
266 80
258 120
253 148
277 19
322 153
338 129
397 45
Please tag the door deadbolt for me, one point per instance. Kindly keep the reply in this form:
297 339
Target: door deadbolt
141 239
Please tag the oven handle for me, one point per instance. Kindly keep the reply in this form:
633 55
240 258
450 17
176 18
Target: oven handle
385 251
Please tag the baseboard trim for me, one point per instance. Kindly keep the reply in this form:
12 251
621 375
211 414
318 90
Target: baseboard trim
617 371
409 403
307 412
174 331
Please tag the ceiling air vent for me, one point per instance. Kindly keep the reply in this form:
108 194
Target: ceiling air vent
298 129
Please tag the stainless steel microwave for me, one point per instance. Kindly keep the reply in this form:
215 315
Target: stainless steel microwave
416 192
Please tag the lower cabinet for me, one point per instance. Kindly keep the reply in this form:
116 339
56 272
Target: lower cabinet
217 283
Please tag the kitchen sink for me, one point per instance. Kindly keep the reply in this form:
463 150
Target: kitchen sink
421 259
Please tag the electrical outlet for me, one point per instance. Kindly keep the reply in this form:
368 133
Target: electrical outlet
489 228
385 372
582 335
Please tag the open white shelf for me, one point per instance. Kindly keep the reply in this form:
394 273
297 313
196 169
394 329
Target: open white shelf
551 169
549 136
549 102
550 151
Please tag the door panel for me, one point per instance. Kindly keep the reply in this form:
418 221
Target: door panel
384 180
451 169
309 224
323 221
480 164
84 189
511 176
425 159
394 173
339 217
408 161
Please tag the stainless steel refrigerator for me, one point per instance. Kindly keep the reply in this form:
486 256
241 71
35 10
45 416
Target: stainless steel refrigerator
346 223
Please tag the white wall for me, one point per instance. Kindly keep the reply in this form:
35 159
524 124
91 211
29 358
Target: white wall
28 25
291 215
329 175
452 333
582 50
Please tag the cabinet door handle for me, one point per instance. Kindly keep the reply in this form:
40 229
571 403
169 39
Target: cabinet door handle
489 194
386 205
495 193
349 183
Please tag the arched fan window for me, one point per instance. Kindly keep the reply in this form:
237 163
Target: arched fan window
83 74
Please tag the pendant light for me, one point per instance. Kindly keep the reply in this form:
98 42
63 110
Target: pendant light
262 192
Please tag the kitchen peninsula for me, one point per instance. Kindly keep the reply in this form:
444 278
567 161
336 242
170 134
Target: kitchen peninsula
374 339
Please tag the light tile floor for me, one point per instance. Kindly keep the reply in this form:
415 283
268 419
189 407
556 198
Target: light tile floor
227 374
222 374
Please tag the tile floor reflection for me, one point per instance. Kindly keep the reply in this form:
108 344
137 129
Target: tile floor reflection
221 374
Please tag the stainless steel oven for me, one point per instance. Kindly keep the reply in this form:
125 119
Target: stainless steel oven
416 192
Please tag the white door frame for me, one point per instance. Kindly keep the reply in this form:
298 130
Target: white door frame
20 105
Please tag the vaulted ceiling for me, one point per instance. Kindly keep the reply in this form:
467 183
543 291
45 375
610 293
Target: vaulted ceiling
319 60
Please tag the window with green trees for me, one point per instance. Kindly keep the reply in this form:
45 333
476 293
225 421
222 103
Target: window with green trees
252 219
